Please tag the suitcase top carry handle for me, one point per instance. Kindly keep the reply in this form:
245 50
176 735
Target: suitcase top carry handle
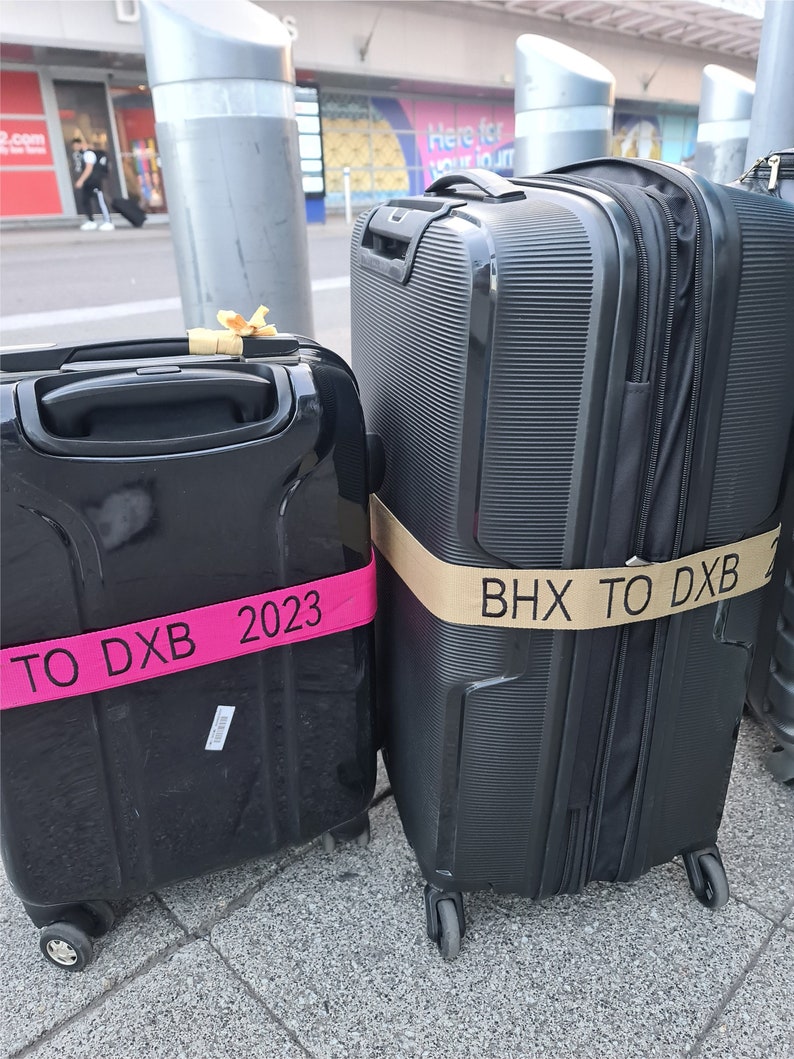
495 188
391 233
156 410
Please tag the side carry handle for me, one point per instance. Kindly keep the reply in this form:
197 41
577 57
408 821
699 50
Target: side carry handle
154 410
495 188
391 234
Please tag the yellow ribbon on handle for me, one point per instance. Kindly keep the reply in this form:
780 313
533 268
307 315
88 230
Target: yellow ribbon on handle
203 341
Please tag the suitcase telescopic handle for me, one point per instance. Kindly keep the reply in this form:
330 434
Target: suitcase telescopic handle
153 411
494 187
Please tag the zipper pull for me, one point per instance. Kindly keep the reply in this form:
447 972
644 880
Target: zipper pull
774 169
752 168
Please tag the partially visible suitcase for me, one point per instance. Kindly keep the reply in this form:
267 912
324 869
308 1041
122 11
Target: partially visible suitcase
569 373
160 512
130 211
770 693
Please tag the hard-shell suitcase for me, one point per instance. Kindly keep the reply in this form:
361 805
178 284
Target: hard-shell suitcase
770 692
588 372
130 211
188 593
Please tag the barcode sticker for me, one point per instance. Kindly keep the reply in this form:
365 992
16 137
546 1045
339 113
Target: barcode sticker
220 728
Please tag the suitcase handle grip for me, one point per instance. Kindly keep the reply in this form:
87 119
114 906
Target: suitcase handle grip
496 188
138 413
391 234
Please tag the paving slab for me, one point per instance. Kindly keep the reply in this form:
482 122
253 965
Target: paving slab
756 838
198 903
340 955
757 1022
35 996
189 1007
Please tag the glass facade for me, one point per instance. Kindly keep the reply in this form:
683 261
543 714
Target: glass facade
398 145
83 110
140 158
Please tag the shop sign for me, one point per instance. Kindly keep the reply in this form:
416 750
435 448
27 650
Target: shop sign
24 142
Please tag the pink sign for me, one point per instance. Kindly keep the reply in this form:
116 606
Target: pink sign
456 136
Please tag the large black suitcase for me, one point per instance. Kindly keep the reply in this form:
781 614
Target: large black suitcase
582 371
183 511
130 211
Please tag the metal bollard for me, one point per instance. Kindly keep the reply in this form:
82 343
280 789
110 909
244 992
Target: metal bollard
564 103
224 99
726 102
772 120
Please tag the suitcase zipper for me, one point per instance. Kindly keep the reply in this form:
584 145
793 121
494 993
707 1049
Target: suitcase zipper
661 386
632 827
637 374
643 271
630 837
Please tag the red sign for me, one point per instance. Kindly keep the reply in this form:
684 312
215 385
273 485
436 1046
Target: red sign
24 142
20 92
29 192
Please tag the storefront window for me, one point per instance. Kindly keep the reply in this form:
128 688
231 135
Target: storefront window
83 110
397 145
140 157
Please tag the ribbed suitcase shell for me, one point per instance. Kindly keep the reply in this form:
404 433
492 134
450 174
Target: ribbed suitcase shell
495 373
770 693
114 793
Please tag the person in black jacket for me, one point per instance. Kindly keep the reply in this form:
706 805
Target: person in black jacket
89 182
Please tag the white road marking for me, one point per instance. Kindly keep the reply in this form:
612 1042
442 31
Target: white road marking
59 317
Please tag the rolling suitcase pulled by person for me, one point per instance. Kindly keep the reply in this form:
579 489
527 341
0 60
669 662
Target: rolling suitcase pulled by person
584 386
188 593
130 211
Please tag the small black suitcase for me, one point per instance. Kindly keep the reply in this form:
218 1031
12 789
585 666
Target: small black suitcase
578 376
188 592
130 211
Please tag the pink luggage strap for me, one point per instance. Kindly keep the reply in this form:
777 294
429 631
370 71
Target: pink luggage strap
110 658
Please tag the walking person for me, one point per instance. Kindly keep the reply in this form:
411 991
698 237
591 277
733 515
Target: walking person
92 173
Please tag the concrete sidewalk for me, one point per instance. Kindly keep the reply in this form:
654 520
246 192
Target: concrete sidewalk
325 955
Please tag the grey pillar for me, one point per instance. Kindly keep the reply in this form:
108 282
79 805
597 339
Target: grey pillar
564 103
726 102
224 101
772 121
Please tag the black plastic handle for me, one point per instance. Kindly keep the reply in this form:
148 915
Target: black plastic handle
66 408
391 234
52 357
155 410
495 188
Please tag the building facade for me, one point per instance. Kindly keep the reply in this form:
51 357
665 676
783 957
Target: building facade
405 91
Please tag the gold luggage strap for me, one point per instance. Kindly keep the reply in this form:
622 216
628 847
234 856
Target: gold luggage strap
570 599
